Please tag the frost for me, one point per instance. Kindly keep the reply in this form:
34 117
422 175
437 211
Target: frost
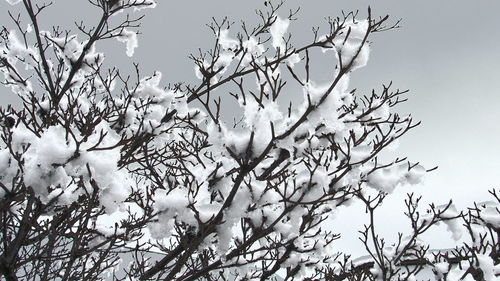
278 30
130 39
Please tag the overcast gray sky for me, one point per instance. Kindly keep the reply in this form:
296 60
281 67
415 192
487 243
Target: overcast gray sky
446 53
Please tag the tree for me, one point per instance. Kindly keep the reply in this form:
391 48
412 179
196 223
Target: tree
109 175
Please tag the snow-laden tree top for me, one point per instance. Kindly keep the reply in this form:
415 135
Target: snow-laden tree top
100 166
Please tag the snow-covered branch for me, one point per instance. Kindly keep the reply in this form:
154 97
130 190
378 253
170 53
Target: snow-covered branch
235 177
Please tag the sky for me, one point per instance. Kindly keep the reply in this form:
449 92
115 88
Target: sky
445 53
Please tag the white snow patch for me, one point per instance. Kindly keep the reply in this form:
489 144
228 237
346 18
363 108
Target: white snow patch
278 30
128 37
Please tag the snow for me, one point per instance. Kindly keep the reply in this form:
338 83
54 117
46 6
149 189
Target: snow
173 200
453 224
146 4
128 37
253 49
51 149
223 61
13 2
172 206
229 230
68 47
15 52
360 153
226 42
110 224
415 175
387 179
4 160
487 265
353 56
52 164
150 103
207 210
490 212
278 30
58 169
381 113
149 88
92 59
258 118
8 168
456 274
441 268
350 49
292 60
